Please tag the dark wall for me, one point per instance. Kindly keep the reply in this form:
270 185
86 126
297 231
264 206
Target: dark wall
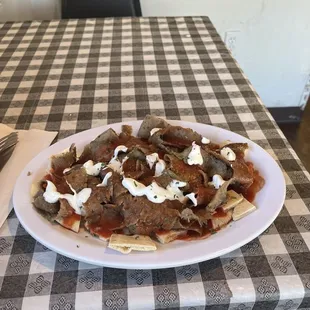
100 8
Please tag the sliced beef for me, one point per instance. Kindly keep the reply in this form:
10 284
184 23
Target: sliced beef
214 163
67 216
182 155
127 130
188 216
60 183
144 217
148 124
86 155
62 161
210 146
132 168
238 148
102 194
164 179
100 149
104 224
175 204
203 214
40 203
118 190
180 137
242 174
134 143
93 181
77 178
92 207
220 196
205 194
51 217
137 153
204 177
157 140
65 209
105 171
174 139
98 197
183 172
192 227
190 222
137 169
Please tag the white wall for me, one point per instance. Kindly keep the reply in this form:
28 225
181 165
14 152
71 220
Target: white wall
20 10
273 47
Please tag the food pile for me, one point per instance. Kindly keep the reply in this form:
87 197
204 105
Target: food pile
167 183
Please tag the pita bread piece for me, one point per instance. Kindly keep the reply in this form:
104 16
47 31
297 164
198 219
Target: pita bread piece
96 231
71 222
220 222
243 209
126 244
233 199
165 236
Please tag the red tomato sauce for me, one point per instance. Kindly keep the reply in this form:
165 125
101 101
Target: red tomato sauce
256 186
69 221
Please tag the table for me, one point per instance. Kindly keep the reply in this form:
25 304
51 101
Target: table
73 75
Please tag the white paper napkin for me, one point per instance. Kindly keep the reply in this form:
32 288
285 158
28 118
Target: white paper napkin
30 143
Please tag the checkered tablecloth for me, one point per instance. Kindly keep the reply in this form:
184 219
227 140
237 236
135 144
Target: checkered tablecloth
73 75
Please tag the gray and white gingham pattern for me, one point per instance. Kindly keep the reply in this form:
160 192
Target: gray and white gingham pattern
73 75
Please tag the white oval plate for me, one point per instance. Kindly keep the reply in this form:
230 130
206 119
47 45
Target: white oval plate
91 250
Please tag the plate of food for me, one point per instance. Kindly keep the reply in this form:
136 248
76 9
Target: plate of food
149 194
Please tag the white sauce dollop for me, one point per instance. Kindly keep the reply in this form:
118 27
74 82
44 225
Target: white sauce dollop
66 170
228 153
120 148
92 169
105 180
154 130
115 164
217 181
151 159
51 195
192 197
160 167
160 164
205 140
154 192
173 187
76 200
195 157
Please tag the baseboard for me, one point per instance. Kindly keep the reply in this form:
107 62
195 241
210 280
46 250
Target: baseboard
286 114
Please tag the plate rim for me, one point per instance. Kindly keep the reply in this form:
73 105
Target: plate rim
146 265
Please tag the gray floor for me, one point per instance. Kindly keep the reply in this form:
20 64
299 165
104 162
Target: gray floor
299 137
